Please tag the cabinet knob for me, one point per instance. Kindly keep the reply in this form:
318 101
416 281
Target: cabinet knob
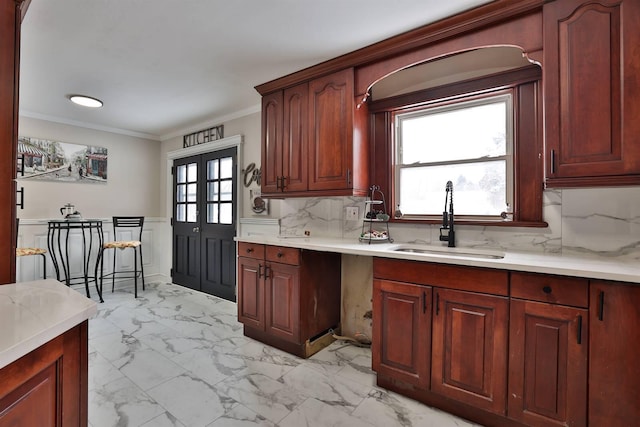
249 250
547 289
279 254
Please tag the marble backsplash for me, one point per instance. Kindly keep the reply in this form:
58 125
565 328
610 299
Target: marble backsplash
604 221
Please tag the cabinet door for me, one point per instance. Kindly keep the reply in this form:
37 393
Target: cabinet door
591 105
331 106
294 138
548 364
469 352
271 168
402 331
251 292
614 354
282 301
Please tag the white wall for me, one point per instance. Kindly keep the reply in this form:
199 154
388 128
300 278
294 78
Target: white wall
132 188
133 176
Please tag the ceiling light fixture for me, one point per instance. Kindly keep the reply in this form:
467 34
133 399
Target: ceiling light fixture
85 101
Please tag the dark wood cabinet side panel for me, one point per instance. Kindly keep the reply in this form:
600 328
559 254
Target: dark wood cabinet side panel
529 153
614 352
75 376
320 291
48 386
10 16
34 403
448 276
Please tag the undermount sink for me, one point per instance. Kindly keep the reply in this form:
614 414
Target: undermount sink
456 252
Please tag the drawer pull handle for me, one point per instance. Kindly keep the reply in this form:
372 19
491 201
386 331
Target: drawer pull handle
249 250
279 255
260 270
547 289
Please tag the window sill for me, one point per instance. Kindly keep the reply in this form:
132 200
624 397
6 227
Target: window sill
484 223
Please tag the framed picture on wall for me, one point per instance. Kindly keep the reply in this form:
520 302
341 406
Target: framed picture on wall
48 160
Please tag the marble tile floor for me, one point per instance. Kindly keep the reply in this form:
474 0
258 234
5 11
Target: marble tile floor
177 357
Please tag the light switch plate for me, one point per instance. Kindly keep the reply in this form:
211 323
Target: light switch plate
351 213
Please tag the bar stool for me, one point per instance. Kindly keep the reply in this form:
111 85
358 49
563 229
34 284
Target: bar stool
20 252
135 224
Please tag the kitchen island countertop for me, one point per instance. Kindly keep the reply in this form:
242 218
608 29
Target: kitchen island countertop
577 265
34 313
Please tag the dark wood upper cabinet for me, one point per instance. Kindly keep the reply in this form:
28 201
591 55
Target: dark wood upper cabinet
591 91
313 139
331 131
284 140
272 146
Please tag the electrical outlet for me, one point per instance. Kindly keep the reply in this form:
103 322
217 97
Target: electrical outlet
351 213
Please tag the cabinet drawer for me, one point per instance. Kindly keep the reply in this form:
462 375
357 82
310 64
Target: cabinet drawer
283 255
552 289
251 250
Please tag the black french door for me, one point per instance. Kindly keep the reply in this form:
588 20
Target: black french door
204 222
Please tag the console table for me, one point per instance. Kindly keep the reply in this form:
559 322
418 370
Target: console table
58 242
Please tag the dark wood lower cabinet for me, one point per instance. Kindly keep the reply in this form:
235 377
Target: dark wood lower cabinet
288 298
402 331
524 350
548 364
49 386
469 353
614 354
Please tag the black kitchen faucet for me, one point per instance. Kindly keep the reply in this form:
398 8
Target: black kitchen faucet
447 218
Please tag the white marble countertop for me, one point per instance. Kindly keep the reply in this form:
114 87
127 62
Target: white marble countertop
588 266
34 313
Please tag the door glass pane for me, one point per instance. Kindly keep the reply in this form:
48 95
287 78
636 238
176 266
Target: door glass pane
212 192
181 193
225 190
192 172
192 190
182 174
226 213
226 167
212 169
181 213
212 213
192 212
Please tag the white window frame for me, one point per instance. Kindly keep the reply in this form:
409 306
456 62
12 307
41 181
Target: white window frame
460 103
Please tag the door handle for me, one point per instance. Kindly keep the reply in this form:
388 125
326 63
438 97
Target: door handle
196 229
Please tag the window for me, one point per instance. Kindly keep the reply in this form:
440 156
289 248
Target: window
469 142
422 139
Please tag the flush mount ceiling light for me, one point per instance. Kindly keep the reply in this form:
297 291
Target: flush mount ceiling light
85 101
